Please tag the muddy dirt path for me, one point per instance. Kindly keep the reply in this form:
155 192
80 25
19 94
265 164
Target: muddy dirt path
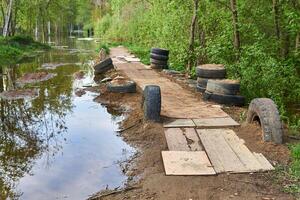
147 166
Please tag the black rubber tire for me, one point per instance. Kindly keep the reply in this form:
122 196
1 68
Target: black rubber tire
202 82
158 51
217 72
266 111
231 100
158 62
129 87
152 103
104 66
223 87
200 89
159 57
156 66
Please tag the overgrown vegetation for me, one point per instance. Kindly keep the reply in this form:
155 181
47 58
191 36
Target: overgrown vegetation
13 49
289 176
259 42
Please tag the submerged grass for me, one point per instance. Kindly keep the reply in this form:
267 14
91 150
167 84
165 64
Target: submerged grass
14 49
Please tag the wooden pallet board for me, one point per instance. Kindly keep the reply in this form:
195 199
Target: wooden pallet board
175 123
182 139
215 122
182 163
228 153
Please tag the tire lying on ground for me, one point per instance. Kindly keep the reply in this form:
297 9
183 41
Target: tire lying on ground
158 57
152 103
202 82
104 66
156 66
159 62
211 71
226 86
265 111
162 52
124 87
232 100
200 89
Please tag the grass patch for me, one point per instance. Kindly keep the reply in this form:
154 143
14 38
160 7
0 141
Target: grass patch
14 49
289 176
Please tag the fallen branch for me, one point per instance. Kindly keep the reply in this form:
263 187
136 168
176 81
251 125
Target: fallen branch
130 127
108 193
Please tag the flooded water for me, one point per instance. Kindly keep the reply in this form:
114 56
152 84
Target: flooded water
58 146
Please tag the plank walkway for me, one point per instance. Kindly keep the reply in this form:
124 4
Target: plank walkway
196 146
177 102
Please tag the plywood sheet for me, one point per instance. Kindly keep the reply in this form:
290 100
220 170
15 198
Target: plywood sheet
215 122
228 153
179 123
183 139
187 163
176 140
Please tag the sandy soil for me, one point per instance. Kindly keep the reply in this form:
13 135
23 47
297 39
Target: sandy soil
146 177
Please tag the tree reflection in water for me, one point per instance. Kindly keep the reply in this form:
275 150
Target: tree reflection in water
31 129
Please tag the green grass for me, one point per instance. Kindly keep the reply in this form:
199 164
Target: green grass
289 176
14 49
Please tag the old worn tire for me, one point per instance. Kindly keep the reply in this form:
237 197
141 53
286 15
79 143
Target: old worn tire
104 66
229 87
152 102
211 71
156 66
163 52
158 57
265 111
200 89
232 100
202 82
158 62
129 87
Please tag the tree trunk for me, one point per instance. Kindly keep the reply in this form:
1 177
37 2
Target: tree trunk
297 45
192 34
7 19
276 18
236 32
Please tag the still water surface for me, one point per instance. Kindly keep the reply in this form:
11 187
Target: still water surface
58 146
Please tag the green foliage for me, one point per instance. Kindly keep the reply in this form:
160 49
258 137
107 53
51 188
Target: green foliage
267 66
295 166
13 49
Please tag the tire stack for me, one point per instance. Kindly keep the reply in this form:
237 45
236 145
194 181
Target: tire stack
206 72
211 81
159 58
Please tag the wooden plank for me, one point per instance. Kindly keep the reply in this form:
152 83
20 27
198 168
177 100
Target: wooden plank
266 165
193 139
220 153
175 123
187 163
176 140
242 152
215 122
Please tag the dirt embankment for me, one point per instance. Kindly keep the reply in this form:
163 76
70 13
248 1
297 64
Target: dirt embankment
147 179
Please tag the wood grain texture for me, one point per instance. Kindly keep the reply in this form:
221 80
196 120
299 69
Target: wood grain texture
187 163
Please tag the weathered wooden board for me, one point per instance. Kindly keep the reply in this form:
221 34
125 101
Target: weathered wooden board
182 139
187 163
228 153
193 139
176 140
176 123
215 122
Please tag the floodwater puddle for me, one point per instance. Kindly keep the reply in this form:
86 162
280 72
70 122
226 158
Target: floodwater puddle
58 145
